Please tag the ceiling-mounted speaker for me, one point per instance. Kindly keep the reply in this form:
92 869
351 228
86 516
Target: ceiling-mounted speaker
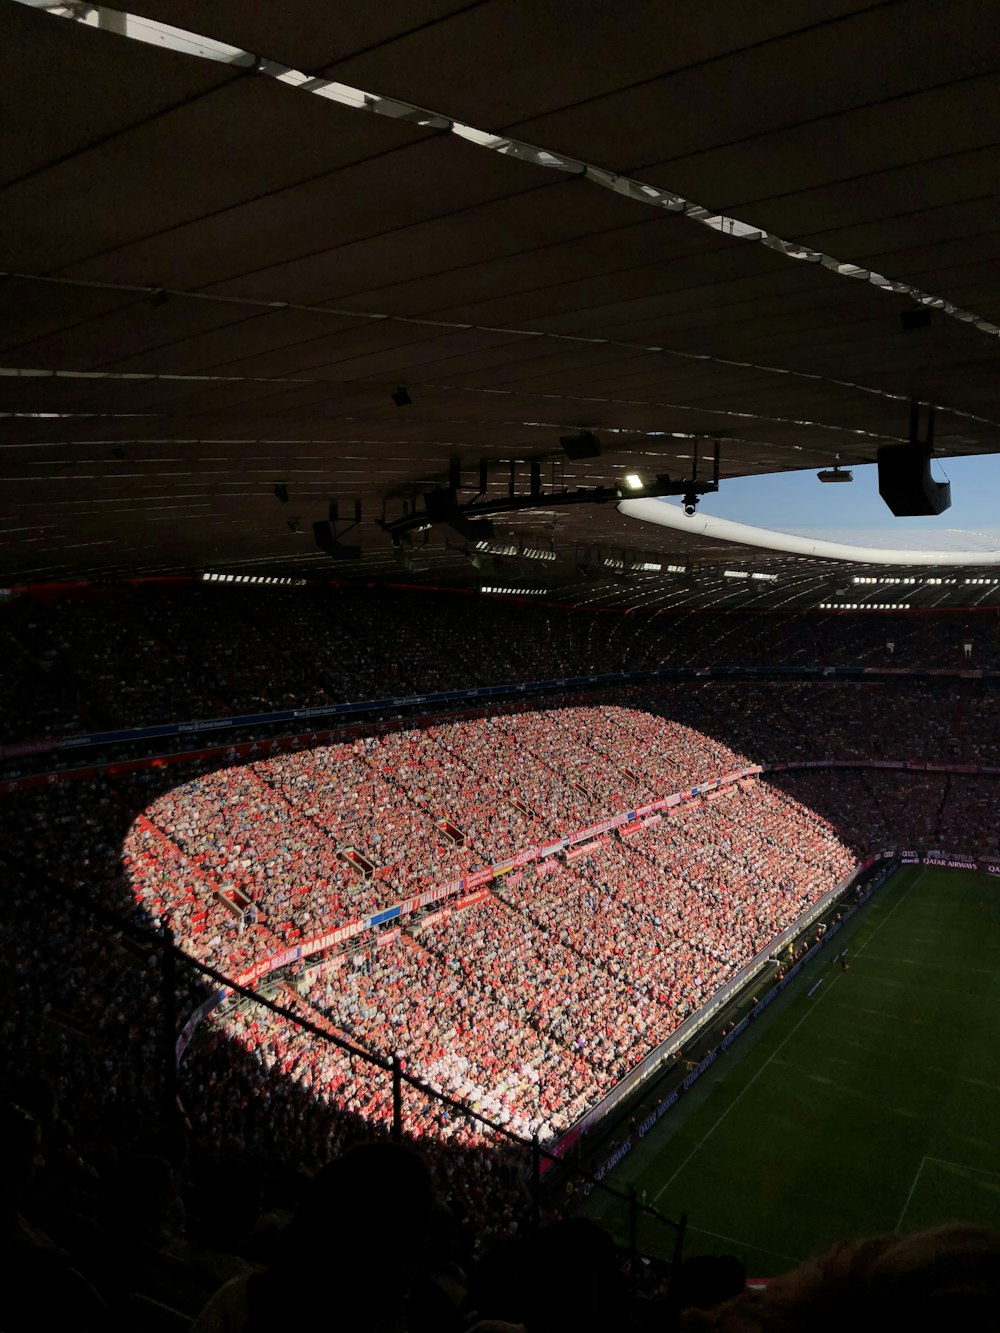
326 541
443 507
905 482
584 445
920 318
904 473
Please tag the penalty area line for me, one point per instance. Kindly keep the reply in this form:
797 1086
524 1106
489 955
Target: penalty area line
964 1166
744 1244
909 1197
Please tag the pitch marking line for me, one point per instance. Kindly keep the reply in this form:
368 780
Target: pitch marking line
745 1245
940 1161
740 1095
913 1187
961 1166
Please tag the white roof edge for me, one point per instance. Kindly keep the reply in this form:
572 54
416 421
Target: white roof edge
726 530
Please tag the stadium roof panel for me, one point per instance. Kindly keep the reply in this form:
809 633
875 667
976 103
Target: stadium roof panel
226 278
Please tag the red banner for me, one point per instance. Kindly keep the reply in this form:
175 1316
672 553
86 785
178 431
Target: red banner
584 848
470 899
478 877
333 937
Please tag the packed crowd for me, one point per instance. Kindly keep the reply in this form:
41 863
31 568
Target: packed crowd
113 658
523 1005
874 809
484 1004
415 810
935 721
528 1005
180 860
642 931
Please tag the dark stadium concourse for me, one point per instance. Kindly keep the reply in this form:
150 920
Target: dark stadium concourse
396 829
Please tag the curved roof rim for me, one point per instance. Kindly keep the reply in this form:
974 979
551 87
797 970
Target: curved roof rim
726 530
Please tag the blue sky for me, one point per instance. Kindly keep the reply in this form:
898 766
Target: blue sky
796 501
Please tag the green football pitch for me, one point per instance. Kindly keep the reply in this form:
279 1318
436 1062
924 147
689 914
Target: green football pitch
871 1105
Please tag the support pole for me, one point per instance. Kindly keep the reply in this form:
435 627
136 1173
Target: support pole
536 1183
397 1098
678 1255
168 1006
633 1236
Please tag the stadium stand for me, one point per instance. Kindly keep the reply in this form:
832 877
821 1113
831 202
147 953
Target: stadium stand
401 806
188 647
523 1005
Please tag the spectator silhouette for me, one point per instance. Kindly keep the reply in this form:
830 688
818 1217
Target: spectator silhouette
348 1258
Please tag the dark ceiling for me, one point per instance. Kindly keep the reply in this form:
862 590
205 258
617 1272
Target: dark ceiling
214 281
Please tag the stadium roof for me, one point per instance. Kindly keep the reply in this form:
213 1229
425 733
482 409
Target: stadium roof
225 248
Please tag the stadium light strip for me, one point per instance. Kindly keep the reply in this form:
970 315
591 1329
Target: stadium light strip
867 578
667 515
250 578
619 562
485 547
500 590
864 606
138 28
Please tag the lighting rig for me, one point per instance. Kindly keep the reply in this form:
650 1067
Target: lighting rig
470 520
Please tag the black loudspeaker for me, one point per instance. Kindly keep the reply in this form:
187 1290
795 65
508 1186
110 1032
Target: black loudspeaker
905 482
442 507
326 541
584 445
